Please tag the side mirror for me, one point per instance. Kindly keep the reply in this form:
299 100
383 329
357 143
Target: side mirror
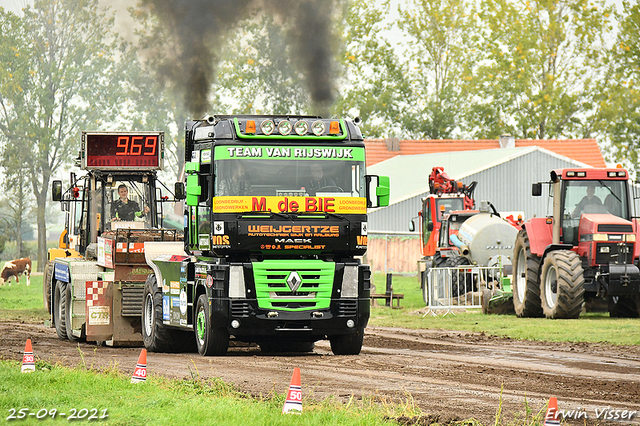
536 189
179 191
56 190
377 191
412 226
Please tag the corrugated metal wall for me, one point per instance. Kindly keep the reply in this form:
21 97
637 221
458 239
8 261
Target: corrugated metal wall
507 186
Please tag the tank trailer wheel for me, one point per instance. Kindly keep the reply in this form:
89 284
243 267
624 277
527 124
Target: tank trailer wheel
562 285
60 304
624 306
156 336
461 282
526 283
210 340
347 344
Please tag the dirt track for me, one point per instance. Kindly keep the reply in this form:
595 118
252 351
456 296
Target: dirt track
452 374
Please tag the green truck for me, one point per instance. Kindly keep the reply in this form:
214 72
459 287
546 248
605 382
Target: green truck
275 221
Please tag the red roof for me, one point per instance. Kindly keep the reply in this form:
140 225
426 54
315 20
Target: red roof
584 150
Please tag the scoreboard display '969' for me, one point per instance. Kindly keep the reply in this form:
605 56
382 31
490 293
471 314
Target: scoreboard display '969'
122 150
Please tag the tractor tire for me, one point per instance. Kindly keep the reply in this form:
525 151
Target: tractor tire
47 284
156 336
347 344
526 281
59 305
624 306
562 285
461 283
67 314
438 260
210 340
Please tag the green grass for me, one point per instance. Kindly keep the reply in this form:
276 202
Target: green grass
591 327
19 302
160 401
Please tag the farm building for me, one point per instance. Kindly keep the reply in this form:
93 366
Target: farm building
504 177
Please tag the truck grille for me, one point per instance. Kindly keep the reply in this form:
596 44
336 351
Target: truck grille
239 308
273 292
132 296
347 308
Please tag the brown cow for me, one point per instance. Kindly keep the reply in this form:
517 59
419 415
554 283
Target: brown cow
15 268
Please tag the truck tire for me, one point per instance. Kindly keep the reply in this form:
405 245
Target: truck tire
47 283
526 283
624 306
67 313
562 285
347 344
155 335
209 340
59 305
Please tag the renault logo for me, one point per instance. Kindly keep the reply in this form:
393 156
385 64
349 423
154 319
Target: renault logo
294 281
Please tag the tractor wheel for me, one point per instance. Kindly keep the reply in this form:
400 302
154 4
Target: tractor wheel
526 283
438 260
624 306
60 304
68 320
209 339
156 336
47 282
347 344
461 282
562 285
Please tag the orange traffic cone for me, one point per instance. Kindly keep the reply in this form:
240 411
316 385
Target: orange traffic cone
293 403
140 373
552 418
28 360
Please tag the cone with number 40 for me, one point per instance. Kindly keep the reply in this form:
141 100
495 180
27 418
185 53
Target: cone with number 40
28 360
140 373
293 403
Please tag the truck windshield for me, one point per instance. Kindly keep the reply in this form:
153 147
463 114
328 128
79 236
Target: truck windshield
283 177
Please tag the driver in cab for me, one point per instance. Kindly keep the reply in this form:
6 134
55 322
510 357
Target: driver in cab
124 208
318 181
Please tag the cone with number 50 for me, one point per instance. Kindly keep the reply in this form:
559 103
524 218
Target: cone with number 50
293 403
28 360
140 373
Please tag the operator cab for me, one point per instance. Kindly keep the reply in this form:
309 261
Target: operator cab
591 197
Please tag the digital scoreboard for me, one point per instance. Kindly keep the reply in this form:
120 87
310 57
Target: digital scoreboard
122 150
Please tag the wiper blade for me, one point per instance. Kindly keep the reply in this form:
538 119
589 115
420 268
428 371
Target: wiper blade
285 216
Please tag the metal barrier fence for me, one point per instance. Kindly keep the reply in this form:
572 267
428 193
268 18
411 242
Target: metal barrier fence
459 287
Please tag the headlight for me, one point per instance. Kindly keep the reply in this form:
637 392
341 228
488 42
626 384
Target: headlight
600 237
267 127
318 127
630 238
301 128
604 249
285 127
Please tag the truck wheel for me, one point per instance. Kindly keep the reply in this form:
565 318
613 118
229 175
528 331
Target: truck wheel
67 314
59 304
210 340
155 335
347 344
526 288
562 285
624 306
47 282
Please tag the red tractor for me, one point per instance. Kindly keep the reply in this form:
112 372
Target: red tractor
446 195
586 250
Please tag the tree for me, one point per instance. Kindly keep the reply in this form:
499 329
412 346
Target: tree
61 77
373 81
540 69
443 35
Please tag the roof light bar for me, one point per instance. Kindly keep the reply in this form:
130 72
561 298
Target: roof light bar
267 127
301 128
318 127
285 127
